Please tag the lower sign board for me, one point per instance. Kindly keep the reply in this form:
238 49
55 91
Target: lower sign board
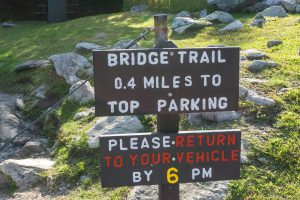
162 81
151 159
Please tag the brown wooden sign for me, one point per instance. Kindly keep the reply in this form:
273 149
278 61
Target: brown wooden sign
149 159
160 81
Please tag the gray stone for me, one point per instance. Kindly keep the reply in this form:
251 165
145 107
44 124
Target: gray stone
215 190
275 11
182 24
40 92
87 113
233 26
8 25
25 173
248 95
262 5
297 8
69 65
33 64
21 140
258 22
215 116
20 104
85 47
215 45
229 5
219 16
244 150
101 36
273 43
263 160
183 14
254 80
259 65
10 122
31 149
113 125
253 54
259 16
203 13
124 43
84 94
4 183
138 8
289 5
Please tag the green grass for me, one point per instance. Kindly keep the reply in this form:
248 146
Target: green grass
172 6
273 132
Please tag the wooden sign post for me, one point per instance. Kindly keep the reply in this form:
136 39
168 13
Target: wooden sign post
166 123
167 81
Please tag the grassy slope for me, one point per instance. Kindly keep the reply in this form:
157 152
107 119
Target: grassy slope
272 132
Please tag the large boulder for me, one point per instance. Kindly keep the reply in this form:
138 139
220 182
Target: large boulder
113 125
219 16
25 173
70 65
289 5
230 5
236 25
253 54
83 94
10 121
181 24
33 64
183 14
275 11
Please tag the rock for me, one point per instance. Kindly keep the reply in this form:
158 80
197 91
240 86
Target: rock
181 24
259 65
203 13
230 5
214 117
244 150
40 92
259 20
297 8
273 43
85 47
10 122
253 80
215 190
263 160
262 5
253 54
124 43
275 11
138 8
101 36
219 16
233 26
84 94
25 173
215 45
5 183
21 140
69 65
246 94
20 104
32 64
183 14
87 113
289 5
8 25
31 149
113 125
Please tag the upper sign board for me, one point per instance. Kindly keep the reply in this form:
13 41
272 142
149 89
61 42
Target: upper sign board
161 81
